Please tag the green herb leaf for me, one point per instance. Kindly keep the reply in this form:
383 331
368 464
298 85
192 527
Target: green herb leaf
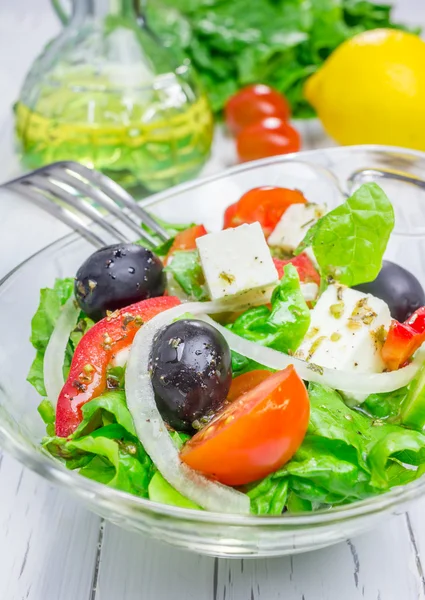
349 242
285 325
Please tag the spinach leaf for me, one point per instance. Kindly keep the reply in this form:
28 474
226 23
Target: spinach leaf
349 242
282 327
185 268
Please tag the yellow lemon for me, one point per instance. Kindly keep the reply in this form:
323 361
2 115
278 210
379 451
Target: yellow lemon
371 90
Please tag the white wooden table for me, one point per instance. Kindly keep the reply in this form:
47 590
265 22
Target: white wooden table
52 548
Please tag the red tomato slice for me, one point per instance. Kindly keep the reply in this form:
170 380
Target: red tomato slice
307 272
87 376
255 435
244 383
186 240
254 103
269 137
263 204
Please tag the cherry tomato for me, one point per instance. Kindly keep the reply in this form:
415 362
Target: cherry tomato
254 103
254 435
307 272
268 137
186 240
264 204
244 383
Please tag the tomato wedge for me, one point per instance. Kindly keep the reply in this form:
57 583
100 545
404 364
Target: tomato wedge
246 382
254 435
186 240
263 204
307 272
87 376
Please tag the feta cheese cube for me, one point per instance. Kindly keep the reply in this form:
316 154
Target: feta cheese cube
310 291
294 224
236 261
347 330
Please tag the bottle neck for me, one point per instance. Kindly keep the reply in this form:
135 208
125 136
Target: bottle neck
99 9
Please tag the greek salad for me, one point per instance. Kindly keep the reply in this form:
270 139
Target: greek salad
272 367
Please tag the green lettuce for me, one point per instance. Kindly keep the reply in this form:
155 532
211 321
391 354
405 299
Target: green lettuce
160 247
349 242
282 327
42 325
232 43
185 268
161 491
345 456
105 447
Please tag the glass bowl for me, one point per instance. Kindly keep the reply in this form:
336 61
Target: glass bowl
323 176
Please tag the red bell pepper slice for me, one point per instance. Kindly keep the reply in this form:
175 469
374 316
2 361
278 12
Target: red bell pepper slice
404 339
87 376
186 240
307 272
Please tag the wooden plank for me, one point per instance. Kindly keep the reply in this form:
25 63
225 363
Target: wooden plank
380 565
48 541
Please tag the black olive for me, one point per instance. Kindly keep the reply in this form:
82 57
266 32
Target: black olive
398 288
116 276
190 366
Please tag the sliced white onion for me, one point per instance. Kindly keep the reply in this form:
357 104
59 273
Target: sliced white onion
153 433
56 348
346 381
151 428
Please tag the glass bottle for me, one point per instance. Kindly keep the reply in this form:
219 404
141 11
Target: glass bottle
106 93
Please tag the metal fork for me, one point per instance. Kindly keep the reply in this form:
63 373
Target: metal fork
68 189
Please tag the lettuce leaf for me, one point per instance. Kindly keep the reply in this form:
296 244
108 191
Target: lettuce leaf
104 447
349 242
282 327
161 491
42 325
160 247
345 456
185 268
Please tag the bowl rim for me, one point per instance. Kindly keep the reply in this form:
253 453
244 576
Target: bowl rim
54 471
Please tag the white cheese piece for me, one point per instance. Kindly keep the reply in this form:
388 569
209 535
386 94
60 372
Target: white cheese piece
310 291
294 224
236 261
346 331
